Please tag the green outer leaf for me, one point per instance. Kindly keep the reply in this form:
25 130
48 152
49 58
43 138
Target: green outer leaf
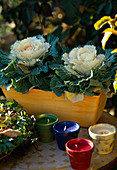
4 59
35 80
110 58
53 52
22 85
54 65
57 86
40 68
4 80
64 75
12 71
74 89
89 92
52 41
65 49
41 81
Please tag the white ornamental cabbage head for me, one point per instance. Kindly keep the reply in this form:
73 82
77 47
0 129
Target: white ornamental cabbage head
29 50
82 59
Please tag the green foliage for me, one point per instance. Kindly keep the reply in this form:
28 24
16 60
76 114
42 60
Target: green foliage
57 86
13 117
99 77
4 60
49 73
52 41
22 78
34 17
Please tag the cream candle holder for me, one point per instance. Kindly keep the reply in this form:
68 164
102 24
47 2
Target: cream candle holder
103 136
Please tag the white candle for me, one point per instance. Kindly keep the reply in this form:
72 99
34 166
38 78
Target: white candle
103 136
103 131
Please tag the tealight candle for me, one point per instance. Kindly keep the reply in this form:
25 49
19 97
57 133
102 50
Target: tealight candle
65 130
80 151
44 124
103 137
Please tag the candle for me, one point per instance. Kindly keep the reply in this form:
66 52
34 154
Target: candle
80 151
80 147
45 120
103 137
104 131
44 124
65 130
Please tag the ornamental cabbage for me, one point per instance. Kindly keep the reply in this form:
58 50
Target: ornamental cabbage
82 59
29 50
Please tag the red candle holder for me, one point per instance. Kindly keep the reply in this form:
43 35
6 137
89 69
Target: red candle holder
80 151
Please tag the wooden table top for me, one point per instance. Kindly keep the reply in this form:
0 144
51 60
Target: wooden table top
50 157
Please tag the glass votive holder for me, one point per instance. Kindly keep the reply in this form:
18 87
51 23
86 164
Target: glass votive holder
64 131
80 151
103 136
44 125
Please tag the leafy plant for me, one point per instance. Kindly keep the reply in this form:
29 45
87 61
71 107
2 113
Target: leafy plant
13 117
71 20
49 72
39 76
107 33
98 81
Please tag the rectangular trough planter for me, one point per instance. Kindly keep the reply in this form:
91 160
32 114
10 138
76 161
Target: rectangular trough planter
86 112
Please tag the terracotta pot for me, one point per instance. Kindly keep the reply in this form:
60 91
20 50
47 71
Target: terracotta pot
85 113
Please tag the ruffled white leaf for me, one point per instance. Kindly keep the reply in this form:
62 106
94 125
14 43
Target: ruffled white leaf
28 50
82 60
74 97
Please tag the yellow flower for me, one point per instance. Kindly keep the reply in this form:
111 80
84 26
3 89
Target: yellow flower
115 82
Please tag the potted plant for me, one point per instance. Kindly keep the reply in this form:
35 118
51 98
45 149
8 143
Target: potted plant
40 74
107 33
16 128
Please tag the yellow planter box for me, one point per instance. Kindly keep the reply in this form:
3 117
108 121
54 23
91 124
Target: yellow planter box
86 112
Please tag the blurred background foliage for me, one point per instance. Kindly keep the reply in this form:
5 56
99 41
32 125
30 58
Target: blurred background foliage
71 20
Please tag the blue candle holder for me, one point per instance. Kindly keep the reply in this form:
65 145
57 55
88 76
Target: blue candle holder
64 131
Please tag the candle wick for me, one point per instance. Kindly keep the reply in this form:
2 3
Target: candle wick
65 128
76 145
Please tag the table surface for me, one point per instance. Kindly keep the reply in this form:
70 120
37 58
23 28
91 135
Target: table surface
50 157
